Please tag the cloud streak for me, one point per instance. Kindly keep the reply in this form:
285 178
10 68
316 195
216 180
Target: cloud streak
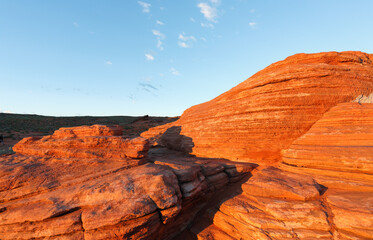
145 6
252 24
208 11
207 25
183 37
173 71
185 41
148 87
160 36
149 57
159 22
183 44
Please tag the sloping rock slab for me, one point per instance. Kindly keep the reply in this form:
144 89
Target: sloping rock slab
261 116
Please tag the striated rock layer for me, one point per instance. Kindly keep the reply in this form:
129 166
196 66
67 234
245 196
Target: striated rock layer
81 183
323 188
274 205
95 141
338 148
338 152
261 116
309 116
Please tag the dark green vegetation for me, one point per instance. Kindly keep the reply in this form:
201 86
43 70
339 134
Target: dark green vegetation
14 127
25 123
7 150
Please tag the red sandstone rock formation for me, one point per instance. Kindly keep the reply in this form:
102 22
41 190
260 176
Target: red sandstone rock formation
338 146
274 205
309 116
90 183
85 142
261 116
323 189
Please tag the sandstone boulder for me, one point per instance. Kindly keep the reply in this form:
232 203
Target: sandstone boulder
86 142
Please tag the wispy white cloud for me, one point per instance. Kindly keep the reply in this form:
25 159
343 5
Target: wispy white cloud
159 22
215 1
185 41
76 24
160 36
252 24
183 44
145 6
252 10
109 63
174 72
182 37
208 11
160 45
192 19
149 57
207 25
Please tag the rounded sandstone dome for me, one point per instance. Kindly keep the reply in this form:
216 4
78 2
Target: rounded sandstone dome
261 116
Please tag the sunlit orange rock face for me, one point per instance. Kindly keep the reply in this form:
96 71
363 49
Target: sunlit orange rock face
261 116
338 146
95 141
322 189
287 154
90 183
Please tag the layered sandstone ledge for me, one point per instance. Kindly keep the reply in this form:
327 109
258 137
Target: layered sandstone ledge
311 117
323 188
81 183
338 146
306 121
264 114
85 142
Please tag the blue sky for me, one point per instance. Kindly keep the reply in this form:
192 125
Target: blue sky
157 57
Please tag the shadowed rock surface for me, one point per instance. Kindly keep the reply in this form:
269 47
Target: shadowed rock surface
287 154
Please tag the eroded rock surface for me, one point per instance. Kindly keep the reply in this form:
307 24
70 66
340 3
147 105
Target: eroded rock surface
323 188
274 205
261 116
338 148
300 130
85 142
81 183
